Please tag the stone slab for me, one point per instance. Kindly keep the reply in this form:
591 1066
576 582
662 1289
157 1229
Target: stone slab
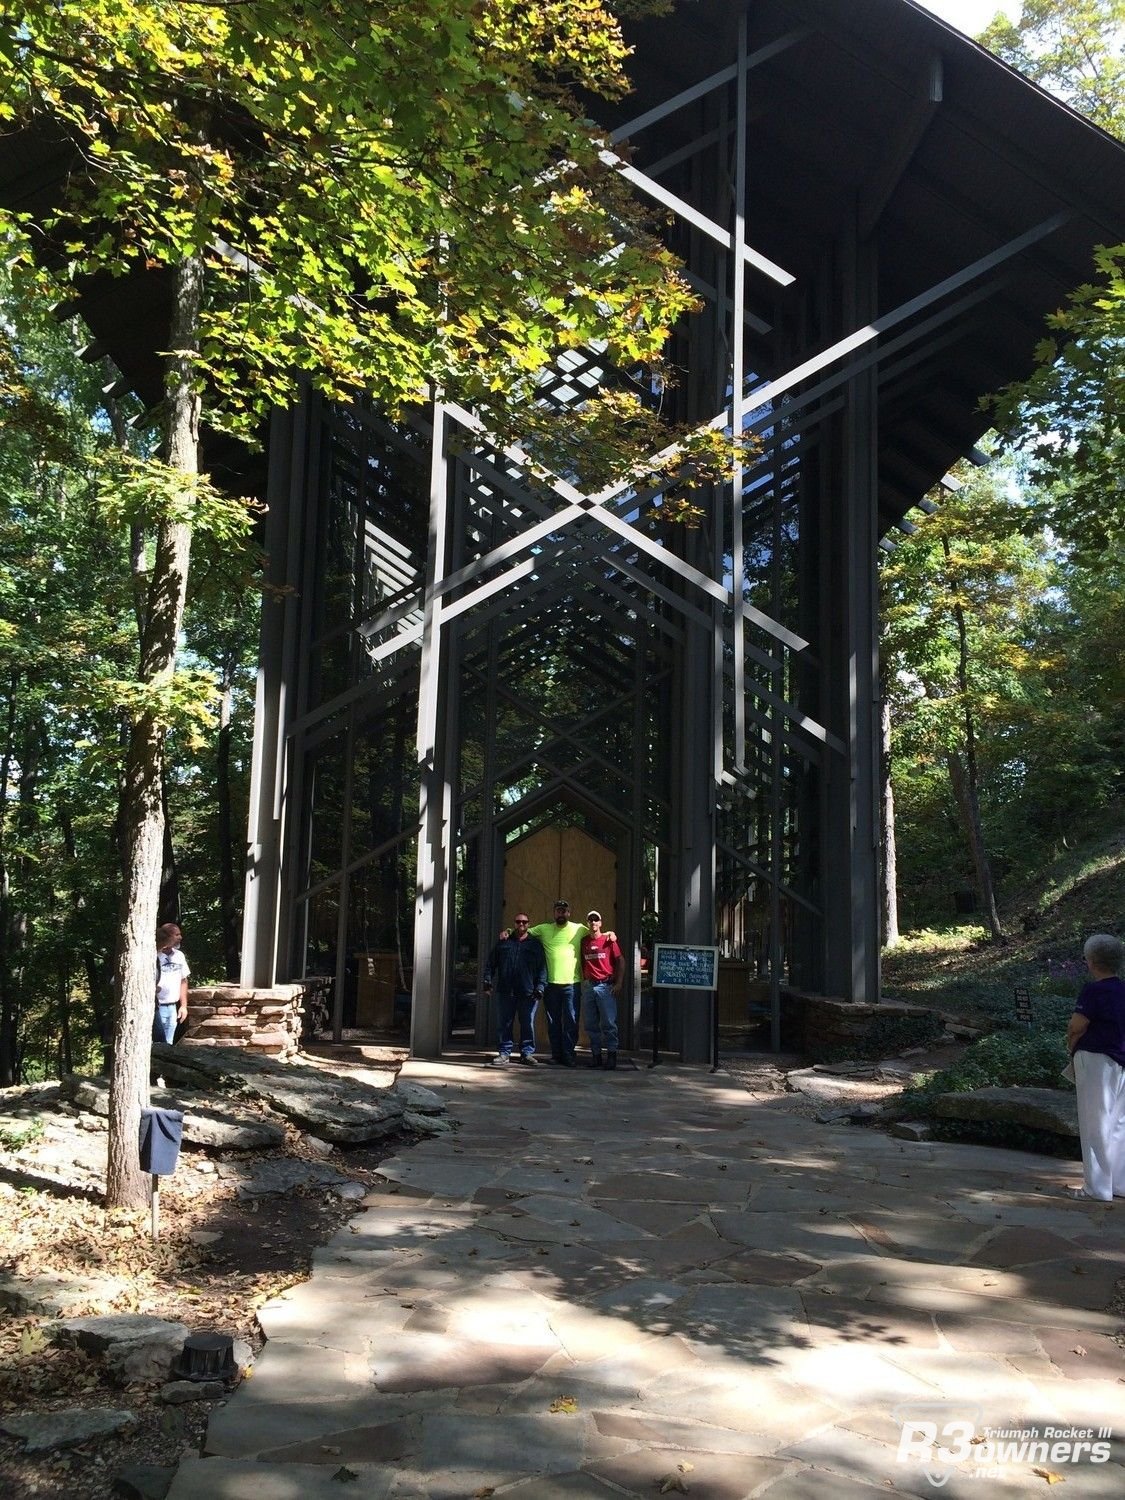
44 1431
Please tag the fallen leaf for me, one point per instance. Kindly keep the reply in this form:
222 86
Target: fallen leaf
32 1340
567 1405
673 1482
343 1474
1078 1349
484 1492
327 1448
1049 1475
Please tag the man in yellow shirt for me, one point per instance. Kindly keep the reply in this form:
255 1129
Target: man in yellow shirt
562 940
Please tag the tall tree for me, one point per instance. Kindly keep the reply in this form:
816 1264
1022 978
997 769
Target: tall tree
957 596
66 641
1073 48
392 198
1069 417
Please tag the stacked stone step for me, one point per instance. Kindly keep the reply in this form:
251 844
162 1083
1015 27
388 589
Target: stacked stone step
267 1021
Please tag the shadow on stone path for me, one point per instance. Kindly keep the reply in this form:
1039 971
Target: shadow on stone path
644 1282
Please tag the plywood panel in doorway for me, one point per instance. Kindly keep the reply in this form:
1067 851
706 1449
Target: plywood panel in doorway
558 862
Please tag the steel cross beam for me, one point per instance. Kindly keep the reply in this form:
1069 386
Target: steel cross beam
851 342
708 85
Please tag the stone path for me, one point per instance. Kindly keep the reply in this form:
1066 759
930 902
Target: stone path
645 1282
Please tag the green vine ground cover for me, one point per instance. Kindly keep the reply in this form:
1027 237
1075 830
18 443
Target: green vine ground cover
956 968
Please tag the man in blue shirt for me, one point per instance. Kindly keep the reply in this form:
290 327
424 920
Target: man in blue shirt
518 965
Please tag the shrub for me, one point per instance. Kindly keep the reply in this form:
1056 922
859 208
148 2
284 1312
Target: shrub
1005 1059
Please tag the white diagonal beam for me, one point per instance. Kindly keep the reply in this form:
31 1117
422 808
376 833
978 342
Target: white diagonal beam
685 211
850 343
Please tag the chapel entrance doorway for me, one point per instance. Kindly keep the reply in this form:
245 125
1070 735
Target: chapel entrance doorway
556 862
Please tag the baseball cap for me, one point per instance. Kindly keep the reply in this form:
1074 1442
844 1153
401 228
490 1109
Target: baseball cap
596 914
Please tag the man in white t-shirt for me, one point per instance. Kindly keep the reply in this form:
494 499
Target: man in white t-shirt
171 983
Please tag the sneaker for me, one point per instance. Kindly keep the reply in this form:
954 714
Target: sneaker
528 1059
1080 1195
554 1062
610 1061
500 1060
595 1060
568 1061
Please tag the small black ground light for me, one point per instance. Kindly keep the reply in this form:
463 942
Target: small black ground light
207 1356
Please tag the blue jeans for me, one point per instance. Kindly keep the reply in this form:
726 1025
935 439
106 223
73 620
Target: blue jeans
562 1018
599 1014
164 1023
508 1007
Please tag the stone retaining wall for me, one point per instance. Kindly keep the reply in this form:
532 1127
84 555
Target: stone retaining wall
829 1027
266 1021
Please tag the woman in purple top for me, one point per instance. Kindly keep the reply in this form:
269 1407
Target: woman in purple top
1096 1038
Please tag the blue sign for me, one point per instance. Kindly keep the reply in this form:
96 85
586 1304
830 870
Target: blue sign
682 966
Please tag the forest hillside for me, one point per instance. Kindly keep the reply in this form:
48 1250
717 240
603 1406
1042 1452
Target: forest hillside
959 968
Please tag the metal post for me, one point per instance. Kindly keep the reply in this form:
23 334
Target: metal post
283 523
345 883
435 811
852 915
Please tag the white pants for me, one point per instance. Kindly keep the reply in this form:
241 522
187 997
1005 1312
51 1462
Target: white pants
1100 1083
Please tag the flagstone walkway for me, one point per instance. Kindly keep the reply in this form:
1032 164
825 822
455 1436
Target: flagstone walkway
646 1282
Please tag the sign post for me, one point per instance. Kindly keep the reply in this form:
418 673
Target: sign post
1023 1006
686 966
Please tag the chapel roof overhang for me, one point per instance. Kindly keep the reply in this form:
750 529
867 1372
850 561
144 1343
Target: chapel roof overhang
842 121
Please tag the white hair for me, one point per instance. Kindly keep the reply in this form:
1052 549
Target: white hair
1104 951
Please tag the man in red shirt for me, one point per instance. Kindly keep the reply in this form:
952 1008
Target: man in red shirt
603 968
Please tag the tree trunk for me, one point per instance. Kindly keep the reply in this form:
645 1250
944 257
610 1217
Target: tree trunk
134 963
66 1047
964 778
15 919
96 966
890 849
228 900
968 805
8 1005
168 906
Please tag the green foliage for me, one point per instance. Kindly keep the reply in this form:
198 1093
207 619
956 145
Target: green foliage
1005 1059
1005 1135
1073 48
1068 418
69 648
388 196
1010 1057
15 1138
